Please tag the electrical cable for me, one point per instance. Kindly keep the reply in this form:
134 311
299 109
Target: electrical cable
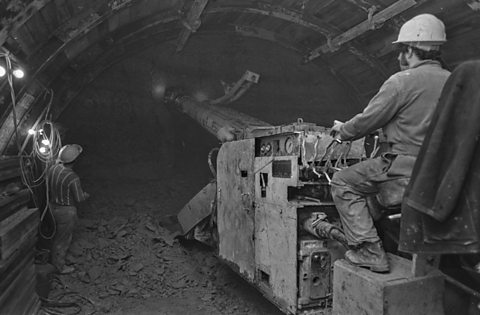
28 165
376 147
12 95
46 144
46 210
27 162
43 116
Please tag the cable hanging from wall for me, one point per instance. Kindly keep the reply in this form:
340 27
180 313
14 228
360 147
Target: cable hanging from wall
11 70
45 137
39 151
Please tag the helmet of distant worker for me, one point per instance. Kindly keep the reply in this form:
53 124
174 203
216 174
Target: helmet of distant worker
423 34
69 153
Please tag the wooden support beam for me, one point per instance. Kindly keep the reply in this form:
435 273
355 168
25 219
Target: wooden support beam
191 23
11 204
8 126
318 26
375 22
373 6
16 229
27 13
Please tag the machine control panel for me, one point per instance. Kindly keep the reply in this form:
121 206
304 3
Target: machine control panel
278 145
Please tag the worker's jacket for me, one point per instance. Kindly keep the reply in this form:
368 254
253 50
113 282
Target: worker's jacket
64 185
403 108
441 208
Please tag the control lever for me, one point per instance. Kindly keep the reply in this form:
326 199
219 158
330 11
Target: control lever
334 130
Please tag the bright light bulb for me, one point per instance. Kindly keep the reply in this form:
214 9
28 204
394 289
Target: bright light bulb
18 73
42 149
2 71
46 142
31 132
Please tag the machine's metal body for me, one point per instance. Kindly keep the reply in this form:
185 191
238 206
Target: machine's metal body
266 189
270 182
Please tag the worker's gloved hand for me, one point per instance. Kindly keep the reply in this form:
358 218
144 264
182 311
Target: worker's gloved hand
335 130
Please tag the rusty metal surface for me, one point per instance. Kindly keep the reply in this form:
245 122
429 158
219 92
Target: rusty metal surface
276 233
191 23
235 208
224 123
371 23
359 291
198 208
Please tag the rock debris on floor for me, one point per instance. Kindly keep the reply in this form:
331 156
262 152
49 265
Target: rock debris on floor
122 262
142 161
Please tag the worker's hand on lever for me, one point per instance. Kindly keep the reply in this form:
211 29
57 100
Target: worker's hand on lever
335 130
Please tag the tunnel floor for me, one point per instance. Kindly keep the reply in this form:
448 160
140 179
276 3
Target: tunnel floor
128 263
141 163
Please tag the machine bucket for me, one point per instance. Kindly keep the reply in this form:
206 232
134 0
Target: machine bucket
198 208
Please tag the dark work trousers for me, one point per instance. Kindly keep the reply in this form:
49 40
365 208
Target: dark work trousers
353 185
65 220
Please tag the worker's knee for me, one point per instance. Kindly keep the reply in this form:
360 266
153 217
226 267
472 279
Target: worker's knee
337 186
339 179
343 193
391 192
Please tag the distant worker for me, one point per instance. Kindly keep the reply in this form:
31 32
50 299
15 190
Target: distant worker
65 192
403 108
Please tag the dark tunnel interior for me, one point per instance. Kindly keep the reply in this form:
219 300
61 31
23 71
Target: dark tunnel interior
107 66
142 156
133 141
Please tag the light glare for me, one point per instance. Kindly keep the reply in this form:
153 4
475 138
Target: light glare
46 142
31 132
42 150
18 73
2 71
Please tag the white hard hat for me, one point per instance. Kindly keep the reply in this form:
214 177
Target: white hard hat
68 153
424 31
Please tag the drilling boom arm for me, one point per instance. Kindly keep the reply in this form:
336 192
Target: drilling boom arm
224 123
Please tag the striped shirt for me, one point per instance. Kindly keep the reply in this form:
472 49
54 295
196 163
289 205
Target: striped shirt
64 185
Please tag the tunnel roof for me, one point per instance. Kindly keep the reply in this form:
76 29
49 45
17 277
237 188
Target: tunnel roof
66 44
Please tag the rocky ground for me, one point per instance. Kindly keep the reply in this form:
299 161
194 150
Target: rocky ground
128 262
142 162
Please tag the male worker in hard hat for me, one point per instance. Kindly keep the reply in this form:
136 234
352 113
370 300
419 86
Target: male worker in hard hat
65 192
403 108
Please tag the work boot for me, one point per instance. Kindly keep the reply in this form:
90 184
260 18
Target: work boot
369 255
